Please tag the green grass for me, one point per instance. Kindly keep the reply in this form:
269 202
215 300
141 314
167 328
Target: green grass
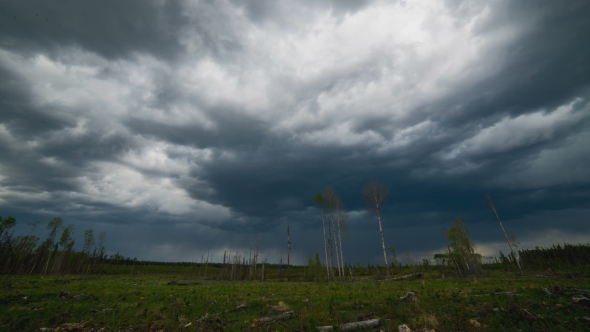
148 302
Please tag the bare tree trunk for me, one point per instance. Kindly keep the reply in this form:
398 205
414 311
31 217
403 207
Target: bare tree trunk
336 247
490 204
207 263
374 194
288 252
383 243
325 246
330 250
340 242
256 257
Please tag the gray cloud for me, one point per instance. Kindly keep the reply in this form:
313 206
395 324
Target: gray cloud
160 121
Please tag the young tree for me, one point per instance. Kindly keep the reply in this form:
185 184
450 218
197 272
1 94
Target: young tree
394 261
375 193
6 241
66 242
513 247
332 203
462 250
88 240
6 224
53 226
320 202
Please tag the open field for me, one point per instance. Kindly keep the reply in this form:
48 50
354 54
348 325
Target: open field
170 302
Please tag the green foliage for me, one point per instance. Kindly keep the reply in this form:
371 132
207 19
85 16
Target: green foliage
66 236
314 267
55 223
319 200
23 255
88 240
394 261
463 255
6 223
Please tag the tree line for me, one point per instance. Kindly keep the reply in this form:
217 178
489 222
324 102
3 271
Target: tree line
27 254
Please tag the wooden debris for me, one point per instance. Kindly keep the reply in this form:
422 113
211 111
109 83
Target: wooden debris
408 295
281 307
72 327
408 276
532 316
547 291
352 326
583 320
241 306
581 300
403 328
260 321
474 322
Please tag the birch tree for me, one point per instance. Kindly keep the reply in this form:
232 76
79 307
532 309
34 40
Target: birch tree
320 202
333 203
375 193
462 250
342 218
513 247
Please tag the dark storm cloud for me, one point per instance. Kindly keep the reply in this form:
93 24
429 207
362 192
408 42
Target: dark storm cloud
115 29
223 120
544 68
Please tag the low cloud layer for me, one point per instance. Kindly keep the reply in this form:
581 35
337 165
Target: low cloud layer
182 127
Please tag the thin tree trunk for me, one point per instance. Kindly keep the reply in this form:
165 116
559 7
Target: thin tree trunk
325 245
383 242
207 263
341 254
288 252
514 252
330 249
336 247
256 258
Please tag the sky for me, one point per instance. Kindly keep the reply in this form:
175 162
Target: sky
185 127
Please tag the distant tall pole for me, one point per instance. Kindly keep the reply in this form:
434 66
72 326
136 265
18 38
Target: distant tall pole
288 252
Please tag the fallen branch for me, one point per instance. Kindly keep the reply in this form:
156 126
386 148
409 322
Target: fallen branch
501 293
408 295
408 276
241 306
263 320
533 316
352 326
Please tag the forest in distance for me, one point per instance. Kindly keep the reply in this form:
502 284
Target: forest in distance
27 254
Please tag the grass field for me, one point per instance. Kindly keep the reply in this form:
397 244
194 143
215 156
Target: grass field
499 301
